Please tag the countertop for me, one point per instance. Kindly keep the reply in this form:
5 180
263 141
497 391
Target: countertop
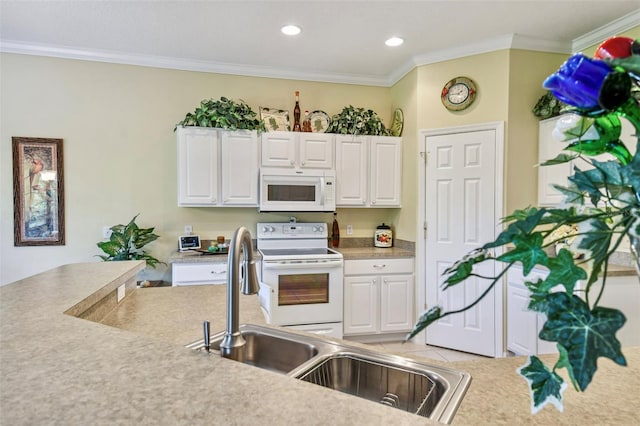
133 368
349 253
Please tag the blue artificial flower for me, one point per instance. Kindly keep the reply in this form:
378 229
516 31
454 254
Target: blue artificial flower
578 81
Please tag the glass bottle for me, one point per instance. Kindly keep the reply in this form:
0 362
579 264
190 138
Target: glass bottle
296 114
335 231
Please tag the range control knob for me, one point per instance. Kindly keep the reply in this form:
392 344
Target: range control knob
319 228
268 228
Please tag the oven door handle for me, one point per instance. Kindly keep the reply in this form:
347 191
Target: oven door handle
324 264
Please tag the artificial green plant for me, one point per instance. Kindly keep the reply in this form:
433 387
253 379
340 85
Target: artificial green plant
126 242
357 121
224 114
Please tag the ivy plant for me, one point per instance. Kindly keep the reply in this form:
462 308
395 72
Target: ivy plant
223 114
357 121
601 209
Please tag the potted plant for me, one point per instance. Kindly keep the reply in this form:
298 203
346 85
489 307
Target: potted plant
126 242
224 114
602 206
357 121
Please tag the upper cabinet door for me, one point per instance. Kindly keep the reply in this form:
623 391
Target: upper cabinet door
386 171
239 166
352 161
315 150
197 166
549 148
278 149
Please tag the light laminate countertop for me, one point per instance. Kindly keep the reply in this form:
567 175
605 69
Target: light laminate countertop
56 368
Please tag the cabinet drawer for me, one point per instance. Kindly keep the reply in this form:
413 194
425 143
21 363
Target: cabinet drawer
199 273
378 266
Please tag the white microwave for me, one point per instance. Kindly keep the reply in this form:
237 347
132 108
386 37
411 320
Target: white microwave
289 190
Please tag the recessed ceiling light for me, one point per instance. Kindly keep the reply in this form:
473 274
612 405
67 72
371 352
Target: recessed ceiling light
394 41
291 30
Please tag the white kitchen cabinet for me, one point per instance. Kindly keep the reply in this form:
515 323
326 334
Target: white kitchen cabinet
197 166
217 168
298 150
523 325
549 148
198 273
239 167
368 171
378 296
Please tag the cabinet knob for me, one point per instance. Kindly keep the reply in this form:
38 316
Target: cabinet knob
303 163
380 266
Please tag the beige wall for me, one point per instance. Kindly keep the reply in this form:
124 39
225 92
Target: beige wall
527 72
405 95
120 152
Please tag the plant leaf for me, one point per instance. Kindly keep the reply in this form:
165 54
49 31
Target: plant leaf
560 159
528 250
586 335
563 270
545 385
424 321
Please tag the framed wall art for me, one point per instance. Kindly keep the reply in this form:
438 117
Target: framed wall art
38 192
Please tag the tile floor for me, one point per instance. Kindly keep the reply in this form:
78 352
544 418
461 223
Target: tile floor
411 349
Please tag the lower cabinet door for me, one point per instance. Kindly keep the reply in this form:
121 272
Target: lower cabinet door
360 305
396 303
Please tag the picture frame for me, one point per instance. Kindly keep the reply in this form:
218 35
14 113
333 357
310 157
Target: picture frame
275 119
38 191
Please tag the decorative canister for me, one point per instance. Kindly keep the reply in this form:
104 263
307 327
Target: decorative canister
383 236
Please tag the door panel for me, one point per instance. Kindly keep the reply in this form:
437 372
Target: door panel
461 216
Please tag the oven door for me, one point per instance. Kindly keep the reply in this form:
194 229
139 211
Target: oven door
302 292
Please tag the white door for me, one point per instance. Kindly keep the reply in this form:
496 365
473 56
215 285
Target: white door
239 164
462 212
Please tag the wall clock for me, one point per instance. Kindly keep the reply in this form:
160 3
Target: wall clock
458 94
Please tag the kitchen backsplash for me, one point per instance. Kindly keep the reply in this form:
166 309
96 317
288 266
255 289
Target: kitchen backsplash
368 242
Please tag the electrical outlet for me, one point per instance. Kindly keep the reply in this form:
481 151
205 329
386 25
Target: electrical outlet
349 229
120 293
106 232
188 230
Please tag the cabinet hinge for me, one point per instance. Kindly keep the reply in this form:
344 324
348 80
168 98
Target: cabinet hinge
423 154
424 227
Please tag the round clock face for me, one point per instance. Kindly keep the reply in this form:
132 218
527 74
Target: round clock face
458 93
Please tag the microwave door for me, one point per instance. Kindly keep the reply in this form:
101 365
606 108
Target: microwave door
299 194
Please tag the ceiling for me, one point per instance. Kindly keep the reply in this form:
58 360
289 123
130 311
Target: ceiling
341 41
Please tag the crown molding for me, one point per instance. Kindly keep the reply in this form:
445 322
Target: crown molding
17 47
507 41
613 28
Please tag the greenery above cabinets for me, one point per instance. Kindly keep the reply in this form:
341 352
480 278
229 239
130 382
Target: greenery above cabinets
223 114
357 121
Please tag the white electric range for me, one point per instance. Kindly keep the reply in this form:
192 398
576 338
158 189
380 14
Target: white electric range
301 283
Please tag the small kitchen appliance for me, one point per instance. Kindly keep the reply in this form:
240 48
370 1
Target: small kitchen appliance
301 284
293 190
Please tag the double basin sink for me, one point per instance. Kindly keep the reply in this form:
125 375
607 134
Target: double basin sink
398 382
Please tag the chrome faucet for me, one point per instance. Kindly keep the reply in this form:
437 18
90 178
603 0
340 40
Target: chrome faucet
233 343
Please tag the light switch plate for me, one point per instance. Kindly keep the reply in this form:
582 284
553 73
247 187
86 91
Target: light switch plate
349 229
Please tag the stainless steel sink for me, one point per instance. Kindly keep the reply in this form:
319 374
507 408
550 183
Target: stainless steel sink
265 349
427 390
393 383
